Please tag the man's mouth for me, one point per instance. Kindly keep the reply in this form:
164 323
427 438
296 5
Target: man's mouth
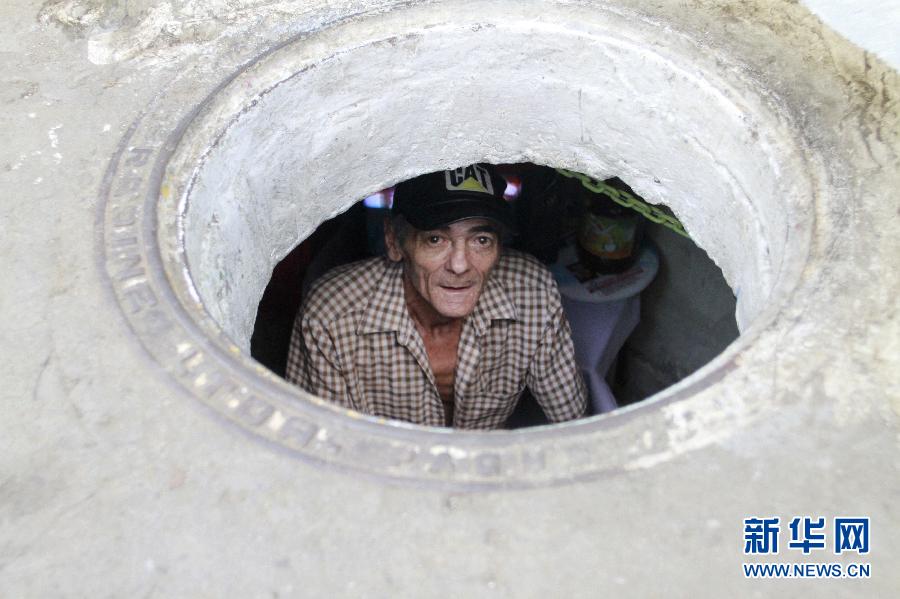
457 287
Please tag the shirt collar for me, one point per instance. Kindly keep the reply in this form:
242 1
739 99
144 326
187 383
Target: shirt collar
386 310
494 304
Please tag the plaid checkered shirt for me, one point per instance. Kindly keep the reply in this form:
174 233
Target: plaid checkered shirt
355 344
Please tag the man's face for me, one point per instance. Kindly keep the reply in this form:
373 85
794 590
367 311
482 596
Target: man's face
448 267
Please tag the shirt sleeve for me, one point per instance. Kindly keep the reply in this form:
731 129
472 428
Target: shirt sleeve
313 362
554 378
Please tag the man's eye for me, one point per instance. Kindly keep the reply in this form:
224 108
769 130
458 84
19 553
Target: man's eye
433 239
484 240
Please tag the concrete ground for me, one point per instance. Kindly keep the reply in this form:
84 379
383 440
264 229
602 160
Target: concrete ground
142 454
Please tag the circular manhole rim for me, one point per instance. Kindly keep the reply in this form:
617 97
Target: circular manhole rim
199 343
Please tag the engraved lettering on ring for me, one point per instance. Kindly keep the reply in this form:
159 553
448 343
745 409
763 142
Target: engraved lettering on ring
298 432
138 297
488 464
254 411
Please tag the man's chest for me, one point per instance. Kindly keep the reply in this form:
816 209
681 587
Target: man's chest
409 378
442 351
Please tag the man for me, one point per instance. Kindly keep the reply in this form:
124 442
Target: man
449 329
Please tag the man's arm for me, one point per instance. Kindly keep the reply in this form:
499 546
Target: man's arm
313 363
554 377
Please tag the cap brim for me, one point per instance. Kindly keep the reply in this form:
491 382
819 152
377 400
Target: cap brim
457 209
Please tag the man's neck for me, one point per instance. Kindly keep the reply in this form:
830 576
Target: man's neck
441 336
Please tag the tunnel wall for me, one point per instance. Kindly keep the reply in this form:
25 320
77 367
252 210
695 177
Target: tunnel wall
687 319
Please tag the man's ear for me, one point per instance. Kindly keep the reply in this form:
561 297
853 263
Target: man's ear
391 243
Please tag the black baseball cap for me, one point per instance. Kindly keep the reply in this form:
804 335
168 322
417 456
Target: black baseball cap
441 198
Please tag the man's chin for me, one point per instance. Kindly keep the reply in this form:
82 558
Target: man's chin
455 309
453 312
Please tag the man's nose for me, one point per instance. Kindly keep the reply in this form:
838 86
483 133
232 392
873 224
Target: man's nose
458 262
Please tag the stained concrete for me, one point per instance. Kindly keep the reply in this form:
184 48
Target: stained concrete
687 319
118 479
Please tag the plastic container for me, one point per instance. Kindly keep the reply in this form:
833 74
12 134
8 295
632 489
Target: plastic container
609 234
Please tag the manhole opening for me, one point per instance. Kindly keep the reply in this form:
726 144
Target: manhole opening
672 312
301 137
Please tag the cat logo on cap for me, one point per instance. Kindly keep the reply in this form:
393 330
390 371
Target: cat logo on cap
469 178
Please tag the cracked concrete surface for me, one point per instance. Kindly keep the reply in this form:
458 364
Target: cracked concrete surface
115 480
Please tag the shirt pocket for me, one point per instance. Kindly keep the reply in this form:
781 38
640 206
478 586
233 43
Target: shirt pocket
407 406
500 383
487 409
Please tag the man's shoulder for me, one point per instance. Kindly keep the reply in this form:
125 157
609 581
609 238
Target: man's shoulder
529 285
516 269
344 289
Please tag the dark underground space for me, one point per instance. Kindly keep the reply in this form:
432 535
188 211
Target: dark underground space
647 306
